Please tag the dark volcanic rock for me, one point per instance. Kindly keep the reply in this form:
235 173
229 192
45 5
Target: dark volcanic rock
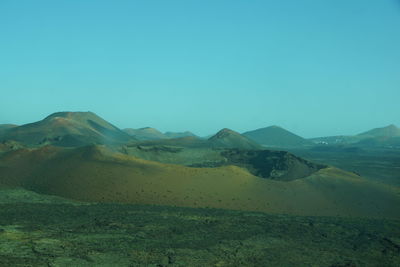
276 165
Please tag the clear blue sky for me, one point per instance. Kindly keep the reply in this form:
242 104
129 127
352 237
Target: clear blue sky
314 67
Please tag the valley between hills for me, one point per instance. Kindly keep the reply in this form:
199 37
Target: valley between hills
68 180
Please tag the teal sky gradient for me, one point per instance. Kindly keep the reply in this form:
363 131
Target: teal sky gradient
313 67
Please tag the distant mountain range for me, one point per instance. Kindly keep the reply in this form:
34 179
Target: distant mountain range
81 156
225 138
82 128
72 129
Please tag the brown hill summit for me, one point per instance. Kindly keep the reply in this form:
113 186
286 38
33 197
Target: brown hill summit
67 129
227 138
95 173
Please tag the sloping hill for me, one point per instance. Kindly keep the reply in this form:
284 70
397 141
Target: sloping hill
227 138
380 141
388 136
67 129
388 131
275 136
146 133
96 174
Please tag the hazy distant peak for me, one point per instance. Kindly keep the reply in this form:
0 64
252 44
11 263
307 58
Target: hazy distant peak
391 126
275 136
387 131
231 139
225 132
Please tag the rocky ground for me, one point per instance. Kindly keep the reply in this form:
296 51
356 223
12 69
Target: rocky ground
56 233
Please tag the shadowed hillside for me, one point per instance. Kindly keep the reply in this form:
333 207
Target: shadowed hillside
97 174
276 136
276 165
67 129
